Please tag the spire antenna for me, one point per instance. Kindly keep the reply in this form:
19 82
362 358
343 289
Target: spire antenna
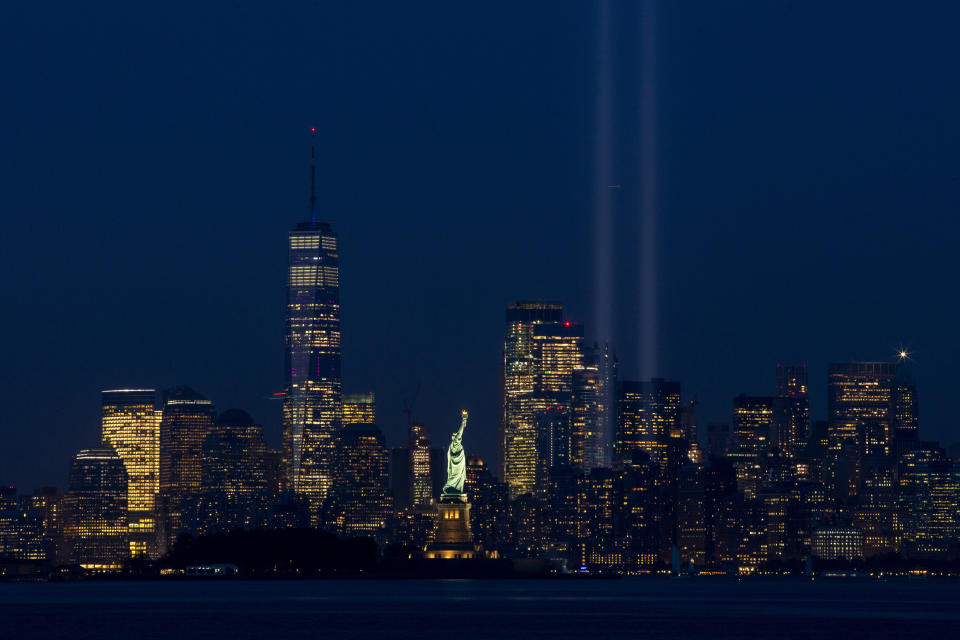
313 175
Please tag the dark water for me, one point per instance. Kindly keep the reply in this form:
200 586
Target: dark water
460 609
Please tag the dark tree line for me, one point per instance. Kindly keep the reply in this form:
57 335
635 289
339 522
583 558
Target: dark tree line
277 552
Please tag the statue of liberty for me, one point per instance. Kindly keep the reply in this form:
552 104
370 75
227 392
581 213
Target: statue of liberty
452 539
456 464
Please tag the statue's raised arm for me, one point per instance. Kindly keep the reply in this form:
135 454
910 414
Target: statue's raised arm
463 424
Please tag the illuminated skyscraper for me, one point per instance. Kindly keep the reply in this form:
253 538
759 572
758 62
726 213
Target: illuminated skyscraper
131 427
518 427
930 489
791 410
274 475
904 410
420 478
96 526
313 404
233 456
558 352
877 512
187 417
629 416
752 422
490 505
553 443
360 503
857 393
49 501
233 475
776 498
643 503
587 431
21 528
359 408
792 381
605 359
753 419
647 414
691 516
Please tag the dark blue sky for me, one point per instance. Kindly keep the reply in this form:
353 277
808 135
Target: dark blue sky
154 157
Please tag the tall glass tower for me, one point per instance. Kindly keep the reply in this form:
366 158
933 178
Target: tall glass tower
97 528
418 451
792 410
131 426
186 421
313 404
523 387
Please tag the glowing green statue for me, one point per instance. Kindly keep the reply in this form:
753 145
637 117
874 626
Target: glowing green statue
456 463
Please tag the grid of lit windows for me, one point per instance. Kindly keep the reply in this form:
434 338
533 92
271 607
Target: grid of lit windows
313 402
359 408
185 422
518 437
859 393
752 421
647 413
361 503
587 446
830 543
131 426
421 478
96 525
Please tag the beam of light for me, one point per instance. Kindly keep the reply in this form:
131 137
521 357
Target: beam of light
602 194
649 178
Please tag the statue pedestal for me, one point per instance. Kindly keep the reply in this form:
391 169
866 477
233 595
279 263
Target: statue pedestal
452 538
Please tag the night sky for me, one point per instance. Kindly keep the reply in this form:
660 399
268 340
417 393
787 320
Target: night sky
804 177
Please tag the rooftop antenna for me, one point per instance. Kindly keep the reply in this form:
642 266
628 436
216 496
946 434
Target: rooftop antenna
408 406
313 175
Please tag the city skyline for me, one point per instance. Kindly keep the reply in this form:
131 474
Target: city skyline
574 319
598 473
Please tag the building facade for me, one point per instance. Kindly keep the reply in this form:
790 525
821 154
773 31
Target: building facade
647 414
792 410
420 478
360 503
753 420
859 393
186 421
518 427
313 402
96 525
131 427
360 408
